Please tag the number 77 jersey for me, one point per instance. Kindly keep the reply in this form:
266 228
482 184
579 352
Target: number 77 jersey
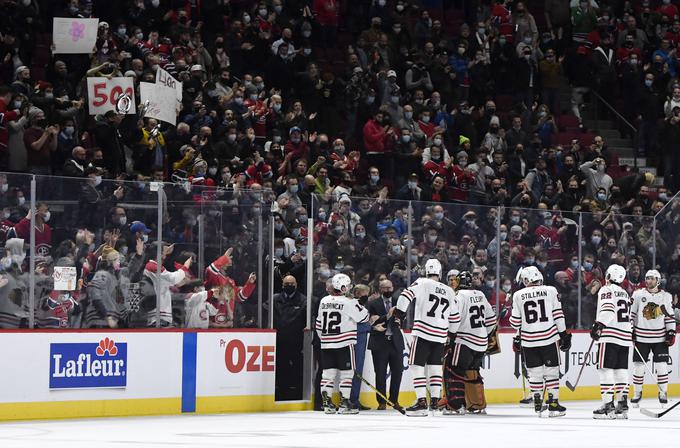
435 309
537 314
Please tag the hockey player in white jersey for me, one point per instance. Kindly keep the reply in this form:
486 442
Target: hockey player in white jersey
537 315
435 311
468 340
652 332
612 331
336 325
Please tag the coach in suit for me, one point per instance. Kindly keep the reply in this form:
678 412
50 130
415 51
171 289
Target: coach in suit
386 343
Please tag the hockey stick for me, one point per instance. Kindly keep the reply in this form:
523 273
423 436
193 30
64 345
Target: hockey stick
380 394
572 387
651 414
643 360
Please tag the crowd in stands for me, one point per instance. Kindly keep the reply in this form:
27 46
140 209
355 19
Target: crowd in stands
406 129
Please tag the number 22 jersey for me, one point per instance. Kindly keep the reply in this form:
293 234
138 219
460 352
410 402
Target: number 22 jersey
435 309
537 314
337 321
613 305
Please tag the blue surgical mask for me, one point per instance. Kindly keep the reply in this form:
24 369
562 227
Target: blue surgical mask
649 82
574 264
361 235
406 138
408 115
412 185
375 179
293 189
588 266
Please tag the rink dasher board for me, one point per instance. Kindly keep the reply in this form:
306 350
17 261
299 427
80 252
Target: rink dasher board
177 371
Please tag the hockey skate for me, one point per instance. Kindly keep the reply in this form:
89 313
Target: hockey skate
434 406
555 409
419 408
663 399
622 408
526 402
451 411
327 403
635 401
605 412
538 404
346 407
476 411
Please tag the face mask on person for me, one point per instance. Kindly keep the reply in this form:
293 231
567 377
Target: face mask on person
412 185
97 181
278 252
361 235
396 249
375 178
489 283
432 239
306 51
439 216
293 189
278 226
504 236
289 289
461 50
529 261
514 219
339 229
46 216
253 97
506 287
6 214
437 141
596 239
238 100
122 220
426 119
601 196
527 40
406 138
600 168
295 232
588 266
648 82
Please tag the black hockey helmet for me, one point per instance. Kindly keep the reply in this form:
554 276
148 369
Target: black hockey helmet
464 280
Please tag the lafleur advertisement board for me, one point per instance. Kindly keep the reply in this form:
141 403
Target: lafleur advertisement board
88 365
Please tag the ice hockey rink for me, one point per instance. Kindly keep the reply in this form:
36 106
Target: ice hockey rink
505 426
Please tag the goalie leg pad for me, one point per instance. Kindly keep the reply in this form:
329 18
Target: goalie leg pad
474 391
455 393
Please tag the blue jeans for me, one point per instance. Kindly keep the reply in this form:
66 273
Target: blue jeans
360 355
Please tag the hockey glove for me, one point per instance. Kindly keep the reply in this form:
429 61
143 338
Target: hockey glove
565 341
516 344
596 331
398 316
670 337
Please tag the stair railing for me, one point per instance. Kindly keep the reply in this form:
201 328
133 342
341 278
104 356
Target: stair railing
622 121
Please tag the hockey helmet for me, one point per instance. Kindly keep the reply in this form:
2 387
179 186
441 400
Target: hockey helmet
341 282
433 267
464 280
530 275
519 279
653 274
615 274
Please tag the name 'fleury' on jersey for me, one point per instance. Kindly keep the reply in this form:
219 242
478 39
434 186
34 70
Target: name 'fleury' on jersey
337 321
477 319
435 308
613 304
649 323
537 314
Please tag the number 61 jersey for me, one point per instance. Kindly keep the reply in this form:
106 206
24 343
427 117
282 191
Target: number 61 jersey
337 321
435 308
537 314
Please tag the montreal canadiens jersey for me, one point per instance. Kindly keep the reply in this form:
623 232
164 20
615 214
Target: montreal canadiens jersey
435 308
537 315
477 320
649 323
613 307
337 321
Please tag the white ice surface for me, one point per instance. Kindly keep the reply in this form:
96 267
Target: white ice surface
505 427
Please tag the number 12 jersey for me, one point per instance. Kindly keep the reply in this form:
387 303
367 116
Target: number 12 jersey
337 321
537 314
435 308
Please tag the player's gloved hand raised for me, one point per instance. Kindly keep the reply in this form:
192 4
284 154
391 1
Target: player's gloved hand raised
565 341
670 338
596 331
516 344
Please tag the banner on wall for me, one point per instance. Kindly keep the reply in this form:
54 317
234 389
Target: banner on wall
162 101
74 35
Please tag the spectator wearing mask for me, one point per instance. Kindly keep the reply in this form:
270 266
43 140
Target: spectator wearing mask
596 177
103 310
41 141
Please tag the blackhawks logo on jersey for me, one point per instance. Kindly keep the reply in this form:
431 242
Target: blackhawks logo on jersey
651 311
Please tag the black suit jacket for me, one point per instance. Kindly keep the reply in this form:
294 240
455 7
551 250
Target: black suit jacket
378 339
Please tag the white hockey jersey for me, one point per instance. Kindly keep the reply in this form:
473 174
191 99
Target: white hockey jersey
337 321
613 306
435 308
198 310
477 319
537 315
649 323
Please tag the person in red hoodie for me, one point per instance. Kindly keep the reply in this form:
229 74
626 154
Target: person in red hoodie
43 232
215 276
296 146
378 139
6 116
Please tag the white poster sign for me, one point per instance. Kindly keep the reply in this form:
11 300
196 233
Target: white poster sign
103 93
164 78
74 35
64 278
162 101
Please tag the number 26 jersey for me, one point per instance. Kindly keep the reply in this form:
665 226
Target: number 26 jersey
537 314
435 309
336 323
